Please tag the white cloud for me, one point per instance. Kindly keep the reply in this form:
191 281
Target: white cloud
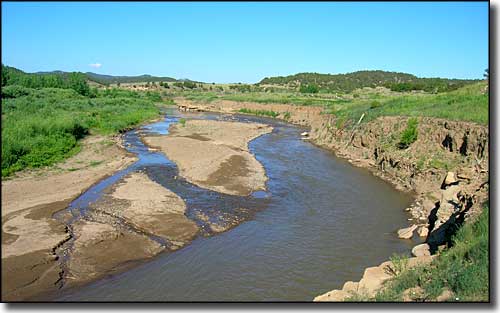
95 65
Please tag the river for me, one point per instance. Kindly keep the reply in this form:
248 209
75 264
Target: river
320 223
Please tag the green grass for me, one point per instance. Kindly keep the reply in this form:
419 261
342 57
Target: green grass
182 121
259 112
43 126
462 269
409 134
465 104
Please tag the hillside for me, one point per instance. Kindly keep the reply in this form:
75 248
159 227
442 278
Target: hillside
109 79
350 81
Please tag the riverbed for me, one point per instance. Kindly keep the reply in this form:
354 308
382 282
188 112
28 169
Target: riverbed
320 222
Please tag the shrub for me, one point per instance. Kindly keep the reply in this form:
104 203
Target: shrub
15 91
310 88
375 104
182 121
409 135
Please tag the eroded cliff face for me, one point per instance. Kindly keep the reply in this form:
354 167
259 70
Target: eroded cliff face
442 147
446 167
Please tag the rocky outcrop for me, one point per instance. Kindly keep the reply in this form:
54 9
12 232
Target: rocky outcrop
421 250
372 281
407 233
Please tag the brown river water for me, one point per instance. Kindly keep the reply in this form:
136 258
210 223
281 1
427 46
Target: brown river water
320 223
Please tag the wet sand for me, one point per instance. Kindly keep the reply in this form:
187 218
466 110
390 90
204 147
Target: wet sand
215 155
30 235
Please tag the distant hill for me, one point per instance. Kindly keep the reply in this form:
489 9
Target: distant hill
350 81
109 79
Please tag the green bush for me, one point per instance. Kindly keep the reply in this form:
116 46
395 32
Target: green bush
375 104
409 135
15 91
309 88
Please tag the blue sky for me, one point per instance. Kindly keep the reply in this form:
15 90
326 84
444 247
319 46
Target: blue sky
244 42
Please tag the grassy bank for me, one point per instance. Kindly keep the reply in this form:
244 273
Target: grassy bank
42 126
462 269
468 103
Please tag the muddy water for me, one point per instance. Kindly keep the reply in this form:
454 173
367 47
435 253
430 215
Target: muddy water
320 223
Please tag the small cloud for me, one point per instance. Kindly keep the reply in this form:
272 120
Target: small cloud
95 65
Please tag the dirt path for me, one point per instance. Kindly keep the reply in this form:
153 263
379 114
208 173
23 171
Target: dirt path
215 155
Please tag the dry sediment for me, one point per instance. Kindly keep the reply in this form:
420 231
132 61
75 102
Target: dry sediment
214 154
30 236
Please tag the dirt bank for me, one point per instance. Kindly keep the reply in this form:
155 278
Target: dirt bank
29 233
215 155
446 167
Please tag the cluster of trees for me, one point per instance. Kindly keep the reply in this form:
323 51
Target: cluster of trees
309 88
428 85
350 81
109 79
75 81
241 87
185 84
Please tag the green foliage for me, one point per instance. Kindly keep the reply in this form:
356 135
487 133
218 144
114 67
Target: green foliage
462 269
287 115
109 79
409 134
468 103
351 81
375 104
75 81
259 112
400 263
182 121
42 126
185 84
241 88
309 88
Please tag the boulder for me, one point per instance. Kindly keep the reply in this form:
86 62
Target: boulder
449 180
423 231
373 279
407 233
421 250
334 296
465 173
